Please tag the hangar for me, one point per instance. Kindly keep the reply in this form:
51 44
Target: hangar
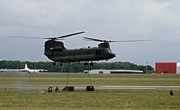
116 71
167 68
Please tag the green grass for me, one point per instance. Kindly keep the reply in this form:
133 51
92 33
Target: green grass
82 79
19 99
120 99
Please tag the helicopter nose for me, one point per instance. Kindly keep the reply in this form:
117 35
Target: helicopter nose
112 55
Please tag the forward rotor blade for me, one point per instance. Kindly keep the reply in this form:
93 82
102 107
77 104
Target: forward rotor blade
27 37
53 38
68 35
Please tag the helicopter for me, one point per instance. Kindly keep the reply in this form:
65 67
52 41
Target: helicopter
54 49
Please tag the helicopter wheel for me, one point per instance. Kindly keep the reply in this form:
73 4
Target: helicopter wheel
91 64
61 64
85 63
54 63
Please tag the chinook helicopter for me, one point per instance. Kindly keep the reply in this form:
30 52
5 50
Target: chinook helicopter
55 50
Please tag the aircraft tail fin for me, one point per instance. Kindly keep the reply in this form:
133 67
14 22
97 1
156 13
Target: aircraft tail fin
26 67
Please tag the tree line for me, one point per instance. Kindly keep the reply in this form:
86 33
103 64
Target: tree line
73 67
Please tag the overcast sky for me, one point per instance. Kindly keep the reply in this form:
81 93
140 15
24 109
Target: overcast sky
156 20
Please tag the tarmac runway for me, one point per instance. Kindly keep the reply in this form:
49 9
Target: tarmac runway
98 87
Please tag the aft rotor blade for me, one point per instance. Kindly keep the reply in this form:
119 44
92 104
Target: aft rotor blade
68 35
130 41
93 39
99 40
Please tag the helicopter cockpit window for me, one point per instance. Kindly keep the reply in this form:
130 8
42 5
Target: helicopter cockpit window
98 52
109 50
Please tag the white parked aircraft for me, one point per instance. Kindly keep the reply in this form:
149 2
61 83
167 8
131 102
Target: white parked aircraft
26 69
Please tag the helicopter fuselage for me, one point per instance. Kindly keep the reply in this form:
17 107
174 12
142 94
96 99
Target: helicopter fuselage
83 54
58 53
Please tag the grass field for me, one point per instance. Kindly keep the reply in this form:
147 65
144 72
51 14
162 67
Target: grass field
35 99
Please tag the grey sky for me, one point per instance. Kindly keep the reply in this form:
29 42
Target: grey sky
157 20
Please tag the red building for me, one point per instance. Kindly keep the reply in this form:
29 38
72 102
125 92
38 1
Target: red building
166 67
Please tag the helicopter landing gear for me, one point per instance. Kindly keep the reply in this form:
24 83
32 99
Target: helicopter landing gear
87 63
54 63
61 64
91 64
